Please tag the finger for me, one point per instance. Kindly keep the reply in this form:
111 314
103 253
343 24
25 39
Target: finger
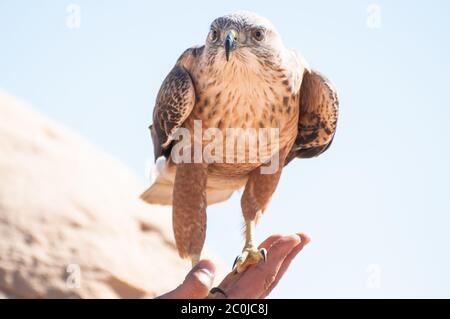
305 239
197 283
232 277
269 241
229 280
279 251
256 280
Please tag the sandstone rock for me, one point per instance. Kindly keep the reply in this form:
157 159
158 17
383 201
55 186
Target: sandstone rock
71 223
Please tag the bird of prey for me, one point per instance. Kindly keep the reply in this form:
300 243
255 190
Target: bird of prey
242 77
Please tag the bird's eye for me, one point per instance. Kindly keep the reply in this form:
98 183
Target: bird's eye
213 36
258 34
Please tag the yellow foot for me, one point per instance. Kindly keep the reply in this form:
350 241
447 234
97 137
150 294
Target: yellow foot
250 256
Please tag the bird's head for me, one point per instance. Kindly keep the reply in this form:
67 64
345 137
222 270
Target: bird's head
242 36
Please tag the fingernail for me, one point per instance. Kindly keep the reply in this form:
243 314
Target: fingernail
205 277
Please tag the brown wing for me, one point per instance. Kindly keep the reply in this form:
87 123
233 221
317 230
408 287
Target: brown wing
319 108
174 103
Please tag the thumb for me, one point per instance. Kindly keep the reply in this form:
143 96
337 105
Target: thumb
197 283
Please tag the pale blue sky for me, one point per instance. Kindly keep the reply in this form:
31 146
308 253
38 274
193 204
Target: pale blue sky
379 196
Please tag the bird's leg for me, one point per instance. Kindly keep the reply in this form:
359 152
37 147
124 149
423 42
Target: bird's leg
256 197
194 260
189 209
251 255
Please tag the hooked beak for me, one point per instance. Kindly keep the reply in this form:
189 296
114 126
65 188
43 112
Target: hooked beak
230 43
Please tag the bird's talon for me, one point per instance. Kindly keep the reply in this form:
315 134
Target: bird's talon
235 262
250 256
263 254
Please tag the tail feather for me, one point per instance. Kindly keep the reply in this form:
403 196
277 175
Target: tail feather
159 193
161 190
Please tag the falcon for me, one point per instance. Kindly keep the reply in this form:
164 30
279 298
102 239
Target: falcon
243 77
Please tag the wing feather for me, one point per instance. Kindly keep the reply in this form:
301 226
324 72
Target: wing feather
319 109
174 103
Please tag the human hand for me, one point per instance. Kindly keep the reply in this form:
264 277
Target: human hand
255 283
